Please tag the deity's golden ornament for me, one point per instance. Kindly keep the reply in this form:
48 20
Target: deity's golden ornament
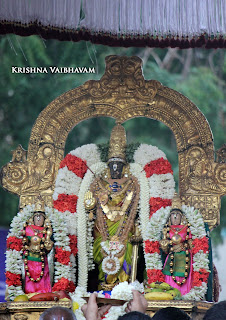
117 145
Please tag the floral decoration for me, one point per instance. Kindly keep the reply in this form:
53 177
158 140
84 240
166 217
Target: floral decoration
66 202
72 170
155 275
200 244
151 246
64 284
73 244
14 243
157 203
159 166
62 256
74 164
13 279
199 277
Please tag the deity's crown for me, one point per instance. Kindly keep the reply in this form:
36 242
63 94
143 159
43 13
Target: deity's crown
176 202
39 205
117 145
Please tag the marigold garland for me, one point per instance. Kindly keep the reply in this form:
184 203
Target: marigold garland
73 244
13 279
14 243
200 244
199 277
151 246
66 202
74 164
157 203
155 275
62 256
64 284
159 166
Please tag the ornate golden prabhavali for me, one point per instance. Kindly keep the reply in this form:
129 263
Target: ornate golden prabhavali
122 93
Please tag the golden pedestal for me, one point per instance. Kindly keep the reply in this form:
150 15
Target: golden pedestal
32 310
195 309
28 310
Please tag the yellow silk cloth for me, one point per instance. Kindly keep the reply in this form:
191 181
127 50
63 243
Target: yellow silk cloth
125 260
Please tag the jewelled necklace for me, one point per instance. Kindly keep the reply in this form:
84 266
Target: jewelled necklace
176 239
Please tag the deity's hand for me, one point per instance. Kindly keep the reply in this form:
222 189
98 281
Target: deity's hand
48 245
164 245
89 200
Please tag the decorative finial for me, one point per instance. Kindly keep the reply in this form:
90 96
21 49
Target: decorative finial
176 202
39 205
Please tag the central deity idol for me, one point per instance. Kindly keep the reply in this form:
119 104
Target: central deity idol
112 201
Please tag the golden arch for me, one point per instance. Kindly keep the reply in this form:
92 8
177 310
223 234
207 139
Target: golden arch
122 93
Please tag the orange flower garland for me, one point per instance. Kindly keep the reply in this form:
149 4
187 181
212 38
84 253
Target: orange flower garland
14 243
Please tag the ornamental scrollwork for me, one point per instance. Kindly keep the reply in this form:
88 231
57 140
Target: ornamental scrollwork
21 176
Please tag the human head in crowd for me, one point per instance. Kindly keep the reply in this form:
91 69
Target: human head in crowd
134 315
171 313
58 313
217 311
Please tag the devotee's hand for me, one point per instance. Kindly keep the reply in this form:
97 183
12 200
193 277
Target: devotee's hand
139 303
91 310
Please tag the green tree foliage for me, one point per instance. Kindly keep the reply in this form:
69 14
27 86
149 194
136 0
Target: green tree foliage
199 74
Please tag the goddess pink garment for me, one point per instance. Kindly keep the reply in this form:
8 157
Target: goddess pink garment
35 268
186 287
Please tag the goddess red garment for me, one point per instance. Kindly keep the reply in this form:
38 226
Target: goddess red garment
186 287
35 268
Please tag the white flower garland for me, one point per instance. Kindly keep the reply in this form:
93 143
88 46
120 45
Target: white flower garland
154 230
14 261
162 185
66 182
144 207
89 152
146 153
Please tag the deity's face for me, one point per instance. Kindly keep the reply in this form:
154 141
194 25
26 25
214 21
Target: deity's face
175 217
39 219
116 168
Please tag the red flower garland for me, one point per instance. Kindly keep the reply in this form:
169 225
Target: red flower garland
62 256
200 244
200 276
66 202
73 244
159 166
13 279
157 203
151 246
64 284
14 243
74 164
155 275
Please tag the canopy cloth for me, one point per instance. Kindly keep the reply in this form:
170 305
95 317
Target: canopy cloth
154 23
